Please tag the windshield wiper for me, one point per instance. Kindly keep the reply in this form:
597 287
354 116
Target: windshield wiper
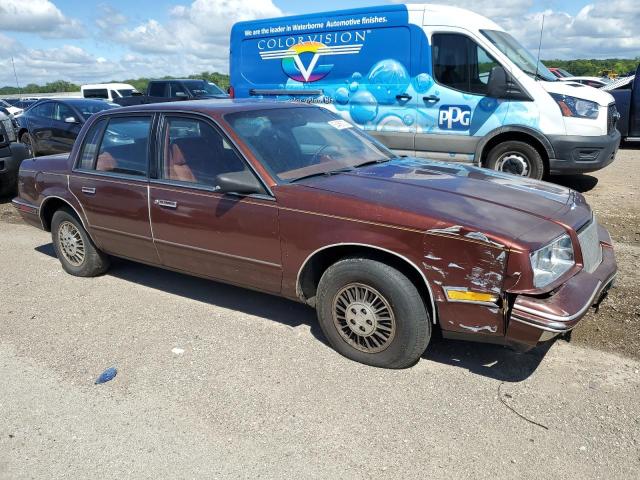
321 174
372 162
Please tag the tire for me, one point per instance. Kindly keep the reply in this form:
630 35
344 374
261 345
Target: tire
401 328
517 158
26 139
75 250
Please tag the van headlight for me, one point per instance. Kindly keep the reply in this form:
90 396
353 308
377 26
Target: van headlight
551 261
576 107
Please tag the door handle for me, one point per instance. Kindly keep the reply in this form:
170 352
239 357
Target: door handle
165 203
431 98
403 97
89 190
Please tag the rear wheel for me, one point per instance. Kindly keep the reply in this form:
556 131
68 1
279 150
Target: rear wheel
75 250
372 313
517 158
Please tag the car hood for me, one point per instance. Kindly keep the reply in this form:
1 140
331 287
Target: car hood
578 90
451 198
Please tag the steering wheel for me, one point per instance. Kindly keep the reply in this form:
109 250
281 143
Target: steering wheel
316 156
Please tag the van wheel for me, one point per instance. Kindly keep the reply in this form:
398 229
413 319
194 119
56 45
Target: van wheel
75 250
372 313
517 158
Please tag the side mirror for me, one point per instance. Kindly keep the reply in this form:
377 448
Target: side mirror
180 94
497 85
244 183
71 120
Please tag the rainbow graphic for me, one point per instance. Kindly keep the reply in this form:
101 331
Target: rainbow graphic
293 66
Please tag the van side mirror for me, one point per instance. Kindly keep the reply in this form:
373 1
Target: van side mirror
244 183
497 85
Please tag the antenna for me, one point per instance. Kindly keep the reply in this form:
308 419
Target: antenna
539 47
16 76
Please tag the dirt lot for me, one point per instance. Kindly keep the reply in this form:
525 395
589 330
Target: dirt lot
614 194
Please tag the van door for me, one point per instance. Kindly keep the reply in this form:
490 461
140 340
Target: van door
455 113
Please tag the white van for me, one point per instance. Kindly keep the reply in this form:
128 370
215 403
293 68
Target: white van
432 81
109 91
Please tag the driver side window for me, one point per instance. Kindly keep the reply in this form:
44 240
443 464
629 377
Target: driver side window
461 64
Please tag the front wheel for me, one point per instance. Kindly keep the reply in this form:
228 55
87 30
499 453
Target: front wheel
75 250
372 313
517 158
26 139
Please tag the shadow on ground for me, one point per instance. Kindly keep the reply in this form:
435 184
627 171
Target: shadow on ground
491 361
581 183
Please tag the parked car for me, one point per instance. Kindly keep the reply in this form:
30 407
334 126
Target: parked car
171 90
429 80
559 72
626 91
11 155
10 108
595 82
293 200
108 91
23 103
52 125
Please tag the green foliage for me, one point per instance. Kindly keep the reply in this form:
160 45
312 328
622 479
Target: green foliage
595 67
140 84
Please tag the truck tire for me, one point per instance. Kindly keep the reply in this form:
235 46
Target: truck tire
75 250
517 158
372 313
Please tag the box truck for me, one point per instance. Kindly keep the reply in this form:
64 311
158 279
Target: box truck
430 81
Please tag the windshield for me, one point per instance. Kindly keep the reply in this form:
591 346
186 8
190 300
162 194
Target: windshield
519 55
89 108
300 142
200 88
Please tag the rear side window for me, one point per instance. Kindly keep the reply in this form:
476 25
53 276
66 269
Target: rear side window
125 146
90 145
96 93
461 64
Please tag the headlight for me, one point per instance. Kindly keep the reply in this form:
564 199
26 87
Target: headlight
576 107
550 262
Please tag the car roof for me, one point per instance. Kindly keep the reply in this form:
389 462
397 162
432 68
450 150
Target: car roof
213 106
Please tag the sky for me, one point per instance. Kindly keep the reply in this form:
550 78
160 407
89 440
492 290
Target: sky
84 41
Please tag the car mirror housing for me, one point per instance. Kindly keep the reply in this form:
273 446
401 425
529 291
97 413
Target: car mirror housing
71 120
497 85
244 183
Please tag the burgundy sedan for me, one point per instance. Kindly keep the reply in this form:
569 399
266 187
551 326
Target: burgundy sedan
294 201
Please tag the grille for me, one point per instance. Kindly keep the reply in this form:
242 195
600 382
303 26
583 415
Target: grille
612 118
590 246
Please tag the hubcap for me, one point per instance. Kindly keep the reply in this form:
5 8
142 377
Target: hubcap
71 243
364 318
514 163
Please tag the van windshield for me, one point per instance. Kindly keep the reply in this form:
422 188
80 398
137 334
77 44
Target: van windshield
301 142
519 55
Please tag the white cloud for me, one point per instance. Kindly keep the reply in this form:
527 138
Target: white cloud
38 16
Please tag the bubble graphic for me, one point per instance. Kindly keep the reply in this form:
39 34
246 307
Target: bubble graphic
422 82
488 104
364 107
392 122
353 86
408 119
356 76
342 96
387 79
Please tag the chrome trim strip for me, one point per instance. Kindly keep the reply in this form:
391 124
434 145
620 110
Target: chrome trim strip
222 254
568 318
424 278
72 207
120 232
540 327
18 201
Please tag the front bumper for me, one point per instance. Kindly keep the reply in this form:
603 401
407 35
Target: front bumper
581 154
11 157
534 319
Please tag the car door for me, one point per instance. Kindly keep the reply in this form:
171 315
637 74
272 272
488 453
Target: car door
455 113
110 181
226 237
39 122
65 127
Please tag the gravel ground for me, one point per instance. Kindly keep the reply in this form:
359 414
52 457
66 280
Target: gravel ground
220 382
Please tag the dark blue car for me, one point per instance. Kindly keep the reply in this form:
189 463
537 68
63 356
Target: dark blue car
51 126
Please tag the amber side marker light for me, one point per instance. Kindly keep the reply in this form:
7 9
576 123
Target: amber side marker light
468 296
